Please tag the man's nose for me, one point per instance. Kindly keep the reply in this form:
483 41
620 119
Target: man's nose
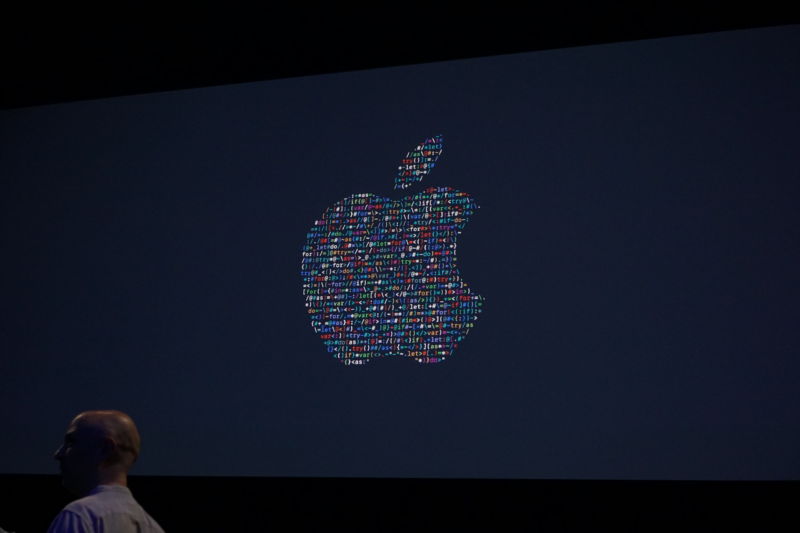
59 453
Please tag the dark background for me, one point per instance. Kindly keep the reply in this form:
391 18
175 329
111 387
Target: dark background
716 270
66 54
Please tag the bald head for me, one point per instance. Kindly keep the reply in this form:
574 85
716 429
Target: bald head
116 426
99 448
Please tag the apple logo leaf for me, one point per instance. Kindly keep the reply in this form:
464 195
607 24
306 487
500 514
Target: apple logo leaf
380 277
418 162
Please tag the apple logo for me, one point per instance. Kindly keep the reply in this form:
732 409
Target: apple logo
380 277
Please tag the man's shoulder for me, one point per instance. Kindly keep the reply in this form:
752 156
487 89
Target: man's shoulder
108 505
84 513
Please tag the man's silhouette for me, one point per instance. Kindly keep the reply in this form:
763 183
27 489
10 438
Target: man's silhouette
99 448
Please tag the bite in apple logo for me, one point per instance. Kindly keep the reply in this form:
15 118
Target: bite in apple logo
380 276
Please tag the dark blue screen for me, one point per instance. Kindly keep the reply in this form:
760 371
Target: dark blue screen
636 248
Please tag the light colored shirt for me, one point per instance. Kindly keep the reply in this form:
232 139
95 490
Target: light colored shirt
107 509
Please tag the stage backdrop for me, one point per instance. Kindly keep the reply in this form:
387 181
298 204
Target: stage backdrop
578 263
